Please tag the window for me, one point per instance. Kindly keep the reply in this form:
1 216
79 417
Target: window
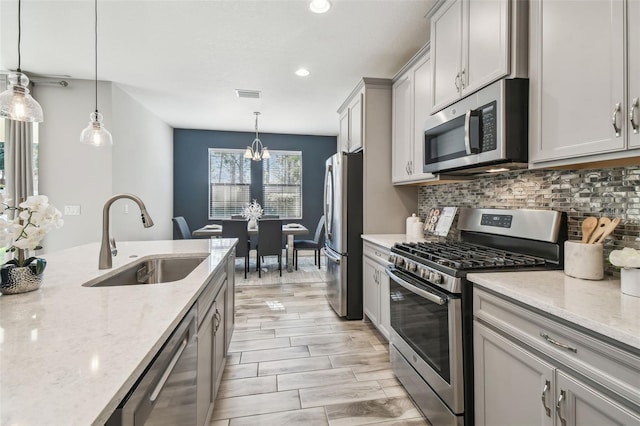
282 184
229 182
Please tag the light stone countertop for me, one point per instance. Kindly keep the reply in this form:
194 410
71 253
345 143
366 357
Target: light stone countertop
68 353
598 306
388 240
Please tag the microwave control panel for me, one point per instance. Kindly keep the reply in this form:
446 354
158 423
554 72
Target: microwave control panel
489 127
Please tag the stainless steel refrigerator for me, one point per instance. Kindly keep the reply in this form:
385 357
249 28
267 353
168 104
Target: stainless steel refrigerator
343 230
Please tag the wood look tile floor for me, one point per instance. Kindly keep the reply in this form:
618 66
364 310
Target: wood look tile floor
293 361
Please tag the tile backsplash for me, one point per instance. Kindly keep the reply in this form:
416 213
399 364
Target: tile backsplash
613 192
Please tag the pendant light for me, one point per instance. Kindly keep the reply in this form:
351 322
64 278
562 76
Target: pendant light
256 151
95 133
16 103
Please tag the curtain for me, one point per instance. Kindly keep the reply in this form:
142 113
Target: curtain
18 160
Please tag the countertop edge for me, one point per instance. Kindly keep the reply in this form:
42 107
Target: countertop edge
616 320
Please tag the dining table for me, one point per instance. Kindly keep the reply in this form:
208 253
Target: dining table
288 229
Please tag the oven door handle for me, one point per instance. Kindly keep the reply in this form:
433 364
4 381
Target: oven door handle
432 297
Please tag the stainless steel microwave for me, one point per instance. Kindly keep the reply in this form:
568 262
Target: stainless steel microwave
484 132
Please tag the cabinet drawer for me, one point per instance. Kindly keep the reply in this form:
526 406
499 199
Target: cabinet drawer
208 294
377 253
609 366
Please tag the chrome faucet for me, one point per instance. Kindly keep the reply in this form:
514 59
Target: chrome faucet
108 247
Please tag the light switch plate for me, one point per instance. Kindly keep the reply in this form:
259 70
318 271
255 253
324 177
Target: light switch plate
72 210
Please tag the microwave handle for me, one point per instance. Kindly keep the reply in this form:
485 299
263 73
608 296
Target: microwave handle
472 132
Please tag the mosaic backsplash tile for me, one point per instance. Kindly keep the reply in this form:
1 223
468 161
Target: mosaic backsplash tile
613 192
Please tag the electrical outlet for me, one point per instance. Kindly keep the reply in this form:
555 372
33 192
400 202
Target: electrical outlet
72 210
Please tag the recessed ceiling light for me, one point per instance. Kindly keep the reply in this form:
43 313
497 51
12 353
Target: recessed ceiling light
302 72
319 6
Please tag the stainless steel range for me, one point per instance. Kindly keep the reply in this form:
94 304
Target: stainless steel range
431 300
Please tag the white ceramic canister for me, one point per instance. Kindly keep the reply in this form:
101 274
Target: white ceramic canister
630 281
410 221
583 260
417 229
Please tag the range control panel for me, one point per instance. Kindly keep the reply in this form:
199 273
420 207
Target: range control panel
497 220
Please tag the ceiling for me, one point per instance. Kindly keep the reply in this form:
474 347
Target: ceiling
183 59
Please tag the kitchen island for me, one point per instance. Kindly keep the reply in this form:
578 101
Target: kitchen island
69 354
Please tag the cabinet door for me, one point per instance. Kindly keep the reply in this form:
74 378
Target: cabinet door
355 124
582 405
446 51
512 386
219 344
485 43
402 134
385 314
633 100
577 79
421 110
371 293
204 386
229 318
343 137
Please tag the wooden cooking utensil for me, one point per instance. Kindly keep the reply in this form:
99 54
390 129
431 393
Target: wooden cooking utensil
608 229
597 233
588 226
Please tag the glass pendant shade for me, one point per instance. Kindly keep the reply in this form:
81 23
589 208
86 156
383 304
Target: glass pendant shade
95 134
17 104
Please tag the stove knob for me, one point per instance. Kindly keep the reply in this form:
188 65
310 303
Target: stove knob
424 273
435 277
399 261
412 267
392 258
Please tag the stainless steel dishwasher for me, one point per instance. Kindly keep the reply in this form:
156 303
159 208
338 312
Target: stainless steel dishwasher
165 394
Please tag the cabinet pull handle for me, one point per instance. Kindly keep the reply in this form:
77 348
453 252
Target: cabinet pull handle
561 398
632 114
406 168
456 82
614 119
549 339
545 389
462 78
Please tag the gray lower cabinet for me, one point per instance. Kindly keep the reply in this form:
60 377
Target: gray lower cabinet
375 284
215 325
556 376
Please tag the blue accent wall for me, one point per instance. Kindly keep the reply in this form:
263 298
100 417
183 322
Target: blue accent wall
190 164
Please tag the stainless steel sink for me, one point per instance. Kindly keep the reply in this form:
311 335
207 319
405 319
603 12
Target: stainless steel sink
153 271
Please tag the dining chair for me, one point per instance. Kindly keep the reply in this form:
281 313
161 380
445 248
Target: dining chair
316 244
238 229
269 242
181 229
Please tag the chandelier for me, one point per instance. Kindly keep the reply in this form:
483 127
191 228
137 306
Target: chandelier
256 151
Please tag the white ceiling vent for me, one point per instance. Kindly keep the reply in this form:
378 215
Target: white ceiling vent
251 94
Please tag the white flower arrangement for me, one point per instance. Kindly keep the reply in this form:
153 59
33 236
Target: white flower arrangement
35 218
625 258
252 211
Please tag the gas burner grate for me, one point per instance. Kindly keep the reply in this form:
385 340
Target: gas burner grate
466 256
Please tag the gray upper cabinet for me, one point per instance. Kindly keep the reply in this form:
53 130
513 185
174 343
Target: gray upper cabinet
470 46
411 94
577 82
350 138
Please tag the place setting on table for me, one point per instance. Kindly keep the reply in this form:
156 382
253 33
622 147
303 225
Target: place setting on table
253 215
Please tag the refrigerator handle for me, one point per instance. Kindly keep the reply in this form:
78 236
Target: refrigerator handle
328 220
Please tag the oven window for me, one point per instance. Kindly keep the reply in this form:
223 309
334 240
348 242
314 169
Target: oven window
424 326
